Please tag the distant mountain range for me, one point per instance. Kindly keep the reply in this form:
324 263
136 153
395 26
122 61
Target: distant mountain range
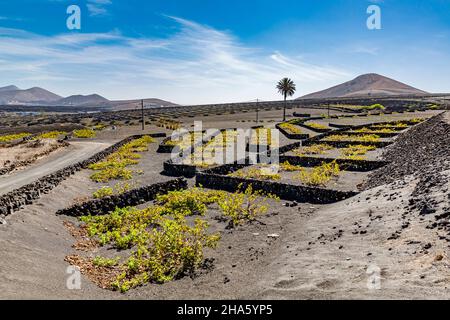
12 95
372 84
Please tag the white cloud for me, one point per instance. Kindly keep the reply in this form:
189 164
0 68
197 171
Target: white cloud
367 49
198 64
98 7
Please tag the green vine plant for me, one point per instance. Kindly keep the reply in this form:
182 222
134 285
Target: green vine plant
115 165
161 242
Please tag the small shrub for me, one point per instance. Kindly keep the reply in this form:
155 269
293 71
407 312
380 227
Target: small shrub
99 127
358 138
104 262
12 137
417 120
314 149
316 125
114 166
242 207
103 192
320 175
256 173
356 152
51 135
368 130
286 166
84 133
291 128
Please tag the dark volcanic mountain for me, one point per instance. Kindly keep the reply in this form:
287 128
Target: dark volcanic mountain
12 95
371 84
9 88
80 100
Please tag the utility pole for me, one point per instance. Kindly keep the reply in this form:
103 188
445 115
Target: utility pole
257 111
142 113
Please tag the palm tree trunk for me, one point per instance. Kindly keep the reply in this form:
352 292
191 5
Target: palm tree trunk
284 109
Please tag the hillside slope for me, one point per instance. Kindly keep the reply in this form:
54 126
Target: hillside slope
366 85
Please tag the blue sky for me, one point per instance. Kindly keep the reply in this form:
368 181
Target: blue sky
202 51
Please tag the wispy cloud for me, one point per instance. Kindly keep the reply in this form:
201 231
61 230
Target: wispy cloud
98 7
364 49
197 64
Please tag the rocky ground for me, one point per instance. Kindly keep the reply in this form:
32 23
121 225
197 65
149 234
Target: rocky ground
390 242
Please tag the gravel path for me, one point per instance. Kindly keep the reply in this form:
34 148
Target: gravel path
77 151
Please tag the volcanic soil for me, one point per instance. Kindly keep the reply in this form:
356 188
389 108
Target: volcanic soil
394 232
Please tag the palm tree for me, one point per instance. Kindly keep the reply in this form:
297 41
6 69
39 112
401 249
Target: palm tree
287 88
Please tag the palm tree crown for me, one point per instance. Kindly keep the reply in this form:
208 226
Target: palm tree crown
286 87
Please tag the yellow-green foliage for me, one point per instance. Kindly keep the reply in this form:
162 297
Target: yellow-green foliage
189 202
356 152
122 187
395 125
12 137
358 138
84 133
164 245
186 141
416 120
316 125
99 127
114 166
51 135
368 130
256 173
313 149
286 166
103 192
362 108
205 156
244 206
320 175
262 136
291 128
168 124
104 262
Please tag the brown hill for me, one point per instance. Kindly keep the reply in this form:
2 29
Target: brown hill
371 84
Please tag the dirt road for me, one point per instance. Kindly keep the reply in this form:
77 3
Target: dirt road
77 151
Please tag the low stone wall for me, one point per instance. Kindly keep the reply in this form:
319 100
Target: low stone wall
340 126
289 147
302 115
25 195
345 144
16 142
380 134
293 136
345 164
173 169
129 199
283 191
163 148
